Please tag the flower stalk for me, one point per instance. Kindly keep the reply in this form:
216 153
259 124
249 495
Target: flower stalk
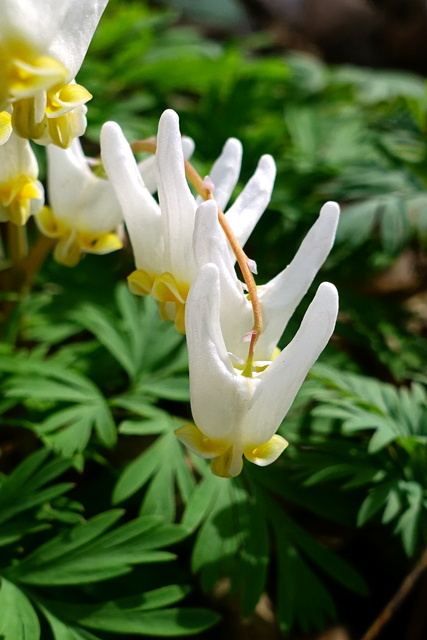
18 243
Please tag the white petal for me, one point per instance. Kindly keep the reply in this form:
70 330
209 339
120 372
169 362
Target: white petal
219 397
17 158
34 22
188 146
225 172
176 201
77 26
280 382
252 202
148 167
141 212
210 245
281 296
76 195
37 203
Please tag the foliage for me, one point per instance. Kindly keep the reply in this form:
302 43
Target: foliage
35 579
389 425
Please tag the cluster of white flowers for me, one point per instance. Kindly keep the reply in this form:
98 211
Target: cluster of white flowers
239 394
42 46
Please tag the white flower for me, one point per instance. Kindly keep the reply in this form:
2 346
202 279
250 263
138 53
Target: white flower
42 46
162 233
84 214
278 298
238 415
21 194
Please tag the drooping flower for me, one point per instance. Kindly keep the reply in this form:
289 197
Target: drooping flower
237 415
278 298
84 214
162 233
21 194
42 46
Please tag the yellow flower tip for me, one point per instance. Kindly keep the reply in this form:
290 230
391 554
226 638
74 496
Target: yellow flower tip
65 114
229 464
140 282
72 243
30 191
167 289
5 126
27 77
180 317
65 98
62 129
57 116
27 121
193 438
226 460
167 311
47 223
19 212
99 243
16 196
266 453
68 252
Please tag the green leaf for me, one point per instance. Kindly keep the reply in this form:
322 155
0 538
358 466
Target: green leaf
163 477
134 615
394 225
137 473
200 502
138 342
381 438
88 553
408 523
22 491
168 622
374 501
123 607
48 564
330 562
68 429
99 322
18 620
220 535
297 586
393 506
357 222
63 631
19 527
170 388
251 577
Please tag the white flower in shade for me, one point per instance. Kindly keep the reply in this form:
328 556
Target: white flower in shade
42 46
84 214
237 415
21 194
161 232
278 298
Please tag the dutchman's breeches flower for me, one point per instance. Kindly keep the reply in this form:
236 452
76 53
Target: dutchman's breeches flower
162 233
84 214
278 298
238 415
21 194
42 46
